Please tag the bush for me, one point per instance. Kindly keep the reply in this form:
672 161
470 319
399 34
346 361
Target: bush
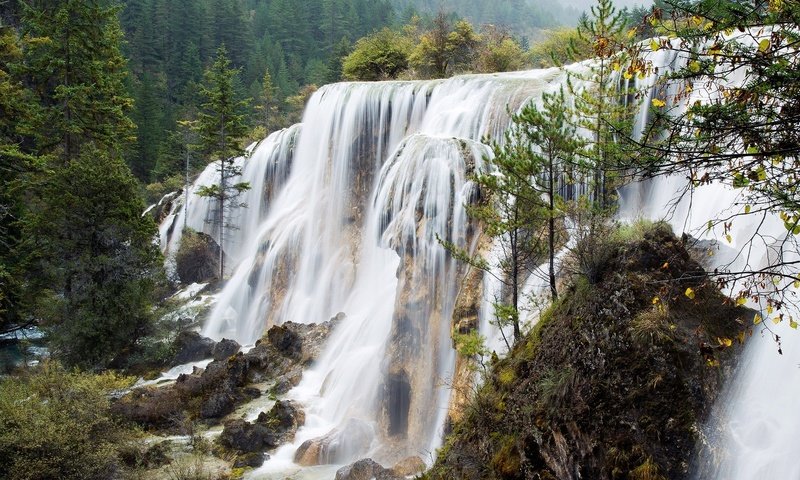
56 424
380 56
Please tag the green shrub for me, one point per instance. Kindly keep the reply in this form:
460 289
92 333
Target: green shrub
56 424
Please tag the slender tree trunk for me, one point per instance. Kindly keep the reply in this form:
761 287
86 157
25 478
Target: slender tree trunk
515 260
552 230
222 202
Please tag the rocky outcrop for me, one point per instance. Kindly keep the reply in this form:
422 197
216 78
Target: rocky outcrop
214 392
190 347
197 258
224 349
409 466
366 469
614 381
276 427
337 446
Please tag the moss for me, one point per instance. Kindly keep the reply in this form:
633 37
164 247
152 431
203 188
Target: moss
608 382
506 461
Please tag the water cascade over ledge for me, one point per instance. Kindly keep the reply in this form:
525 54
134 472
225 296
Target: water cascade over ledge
343 217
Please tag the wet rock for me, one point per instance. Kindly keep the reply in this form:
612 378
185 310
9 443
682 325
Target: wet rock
409 466
366 469
247 437
286 341
191 347
337 446
214 392
197 258
252 460
273 428
218 405
225 348
285 417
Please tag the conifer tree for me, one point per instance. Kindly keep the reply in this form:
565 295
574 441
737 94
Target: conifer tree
221 128
74 61
597 99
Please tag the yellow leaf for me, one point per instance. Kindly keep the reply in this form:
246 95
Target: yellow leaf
694 66
769 309
725 342
631 33
729 238
763 45
757 319
741 301
689 293
747 209
793 324
656 300
658 103
615 66
654 45
740 337
665 266
627 75
796 284
776 320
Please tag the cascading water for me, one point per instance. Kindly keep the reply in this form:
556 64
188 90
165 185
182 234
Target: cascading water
377 174
348 214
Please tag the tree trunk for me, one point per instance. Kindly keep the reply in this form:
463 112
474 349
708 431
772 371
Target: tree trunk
552 231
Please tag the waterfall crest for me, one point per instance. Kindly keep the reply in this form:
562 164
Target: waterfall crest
343 218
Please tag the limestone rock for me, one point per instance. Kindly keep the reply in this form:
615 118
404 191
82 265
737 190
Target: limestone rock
337 446
366 469
225 348
191 347
409 466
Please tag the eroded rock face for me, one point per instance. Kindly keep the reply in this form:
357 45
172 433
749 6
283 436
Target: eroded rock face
337 446
614 383
214 392
225 348
366 469
273 428
191 347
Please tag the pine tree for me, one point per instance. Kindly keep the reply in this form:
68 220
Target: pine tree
75 64
221 127
598 98
18 118
93 264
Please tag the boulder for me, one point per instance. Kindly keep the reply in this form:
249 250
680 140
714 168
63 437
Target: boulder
191 347
270 429
286 341
246 437
224 349
409 466
366 469
337 446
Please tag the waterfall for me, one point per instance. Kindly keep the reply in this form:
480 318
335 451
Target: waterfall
344 216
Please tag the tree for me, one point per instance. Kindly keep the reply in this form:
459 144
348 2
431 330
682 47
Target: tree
740 128
269 104
221 127
550 159
598 100
441 49
94 263
19 115
380 56
499 53
75 65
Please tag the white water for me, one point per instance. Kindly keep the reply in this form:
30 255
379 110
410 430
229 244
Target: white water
377 172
